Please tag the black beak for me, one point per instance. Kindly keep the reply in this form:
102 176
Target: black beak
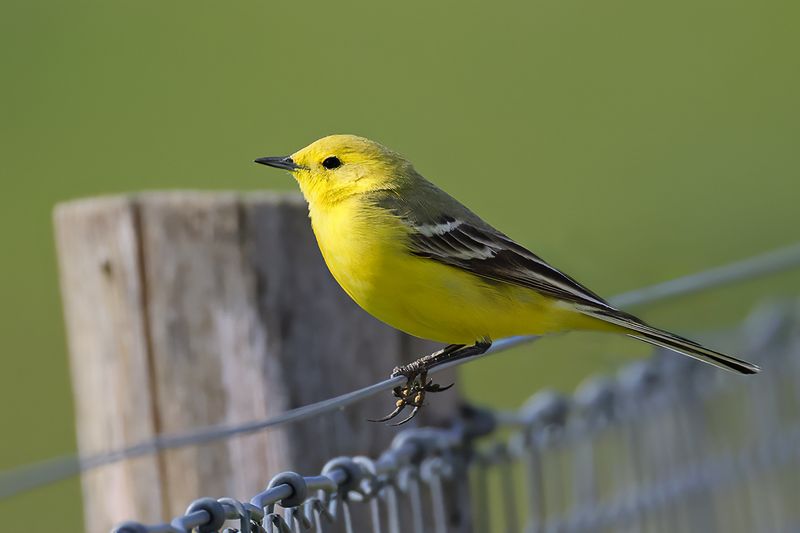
284 162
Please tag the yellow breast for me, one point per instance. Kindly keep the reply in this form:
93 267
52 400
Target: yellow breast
352 246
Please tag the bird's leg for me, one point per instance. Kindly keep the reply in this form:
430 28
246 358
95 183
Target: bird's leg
414 368
417 382
451 352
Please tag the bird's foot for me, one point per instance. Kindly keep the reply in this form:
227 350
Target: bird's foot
417 382
412 393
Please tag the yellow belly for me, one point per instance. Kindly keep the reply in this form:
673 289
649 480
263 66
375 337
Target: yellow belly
422 297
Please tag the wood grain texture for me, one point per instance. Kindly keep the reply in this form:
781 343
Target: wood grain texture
102 296
219 310
202 322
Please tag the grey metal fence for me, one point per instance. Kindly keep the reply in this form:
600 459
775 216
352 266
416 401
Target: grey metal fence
666 445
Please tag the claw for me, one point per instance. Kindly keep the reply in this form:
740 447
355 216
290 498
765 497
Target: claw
403 395
409 417
397 410
413 394
435 387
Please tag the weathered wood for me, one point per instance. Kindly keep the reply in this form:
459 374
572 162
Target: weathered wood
187 309
102 295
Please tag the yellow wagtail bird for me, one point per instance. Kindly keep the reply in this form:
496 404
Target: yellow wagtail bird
414 257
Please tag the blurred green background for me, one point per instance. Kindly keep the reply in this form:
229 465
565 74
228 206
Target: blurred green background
625 141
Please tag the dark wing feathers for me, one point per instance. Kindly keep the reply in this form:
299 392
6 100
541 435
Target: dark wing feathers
492 255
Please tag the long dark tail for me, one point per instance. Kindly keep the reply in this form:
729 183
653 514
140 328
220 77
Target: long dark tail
639 330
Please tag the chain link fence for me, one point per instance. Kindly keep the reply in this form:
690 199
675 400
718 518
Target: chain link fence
665 445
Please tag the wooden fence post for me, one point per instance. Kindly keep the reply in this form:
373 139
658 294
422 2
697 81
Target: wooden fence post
185 309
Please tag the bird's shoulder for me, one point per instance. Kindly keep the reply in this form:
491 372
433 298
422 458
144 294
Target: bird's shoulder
420 204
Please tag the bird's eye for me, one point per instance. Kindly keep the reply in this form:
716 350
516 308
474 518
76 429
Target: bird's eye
331 162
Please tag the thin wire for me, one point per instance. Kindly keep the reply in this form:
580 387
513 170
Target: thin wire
29 477
761 265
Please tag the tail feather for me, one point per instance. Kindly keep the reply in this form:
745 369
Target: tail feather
663 339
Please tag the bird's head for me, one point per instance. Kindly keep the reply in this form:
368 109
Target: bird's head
339 166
